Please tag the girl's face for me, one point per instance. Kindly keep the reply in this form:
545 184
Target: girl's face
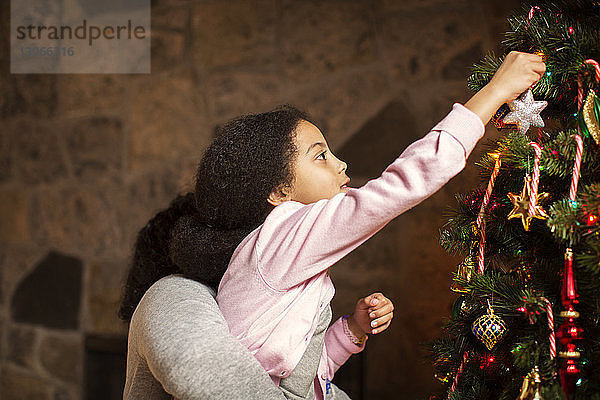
318 174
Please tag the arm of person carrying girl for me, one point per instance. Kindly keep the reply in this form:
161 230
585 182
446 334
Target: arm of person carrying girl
299 241
183 340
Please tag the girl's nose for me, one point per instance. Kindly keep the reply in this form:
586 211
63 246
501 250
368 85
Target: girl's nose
343 166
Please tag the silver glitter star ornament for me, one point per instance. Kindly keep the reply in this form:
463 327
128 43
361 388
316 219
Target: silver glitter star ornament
525 112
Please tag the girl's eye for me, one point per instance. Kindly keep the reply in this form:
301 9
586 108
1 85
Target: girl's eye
321 155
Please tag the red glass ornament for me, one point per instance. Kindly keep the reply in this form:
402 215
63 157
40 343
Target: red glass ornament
591 219
569 287
569 332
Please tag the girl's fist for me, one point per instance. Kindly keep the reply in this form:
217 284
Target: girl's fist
518 72
372 314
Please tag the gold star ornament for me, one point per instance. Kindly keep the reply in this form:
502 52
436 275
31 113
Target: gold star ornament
521 205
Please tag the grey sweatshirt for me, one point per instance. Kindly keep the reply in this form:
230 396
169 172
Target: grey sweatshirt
179 345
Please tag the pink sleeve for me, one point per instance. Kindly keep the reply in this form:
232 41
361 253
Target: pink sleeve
299 241
339 347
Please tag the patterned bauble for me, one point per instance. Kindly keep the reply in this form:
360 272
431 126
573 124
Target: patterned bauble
489 328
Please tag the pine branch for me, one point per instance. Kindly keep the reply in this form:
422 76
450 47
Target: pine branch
589 260
482 72
564 221
590 198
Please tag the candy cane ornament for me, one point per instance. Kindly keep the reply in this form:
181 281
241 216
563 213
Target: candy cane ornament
535 180
480 217
531 12
459 372
552 336
576 168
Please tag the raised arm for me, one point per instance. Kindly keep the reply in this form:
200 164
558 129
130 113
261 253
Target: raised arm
298 241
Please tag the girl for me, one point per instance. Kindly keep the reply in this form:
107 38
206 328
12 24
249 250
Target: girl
276 291
178 342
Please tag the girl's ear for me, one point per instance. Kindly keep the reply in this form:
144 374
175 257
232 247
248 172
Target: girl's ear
278 196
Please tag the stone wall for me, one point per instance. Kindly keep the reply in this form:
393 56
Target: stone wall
86 160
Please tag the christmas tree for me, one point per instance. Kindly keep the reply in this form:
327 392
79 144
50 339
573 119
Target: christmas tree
526 324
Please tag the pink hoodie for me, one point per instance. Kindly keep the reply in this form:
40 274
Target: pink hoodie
277 284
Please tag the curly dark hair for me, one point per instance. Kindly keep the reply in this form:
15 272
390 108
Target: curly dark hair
250 157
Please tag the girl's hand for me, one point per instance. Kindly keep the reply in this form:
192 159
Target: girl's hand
372 314
518 72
